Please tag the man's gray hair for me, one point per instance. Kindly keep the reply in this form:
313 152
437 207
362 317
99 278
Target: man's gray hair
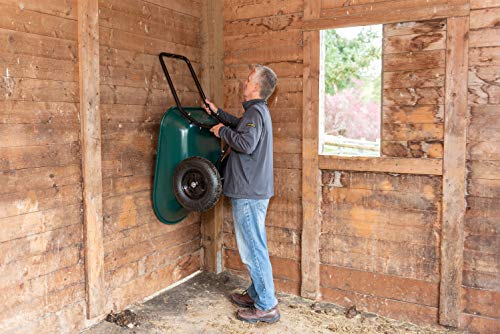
267 80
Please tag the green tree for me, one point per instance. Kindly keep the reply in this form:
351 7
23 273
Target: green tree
347 60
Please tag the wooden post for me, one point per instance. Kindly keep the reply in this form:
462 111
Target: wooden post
454 170
88 51
311 183
212 78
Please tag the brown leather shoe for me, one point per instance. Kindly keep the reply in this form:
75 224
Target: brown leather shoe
242 299
254 315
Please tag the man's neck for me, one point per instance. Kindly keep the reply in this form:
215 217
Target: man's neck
253 97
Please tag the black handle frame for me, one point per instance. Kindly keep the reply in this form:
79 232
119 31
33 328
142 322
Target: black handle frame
186 115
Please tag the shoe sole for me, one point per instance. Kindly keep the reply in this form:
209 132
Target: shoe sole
253 321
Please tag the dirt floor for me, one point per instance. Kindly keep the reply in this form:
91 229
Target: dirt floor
201 305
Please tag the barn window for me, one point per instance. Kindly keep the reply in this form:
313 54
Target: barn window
350 91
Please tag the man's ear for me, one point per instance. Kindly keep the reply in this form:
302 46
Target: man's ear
257 88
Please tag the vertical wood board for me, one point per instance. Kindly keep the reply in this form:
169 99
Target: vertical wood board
88 51
454 170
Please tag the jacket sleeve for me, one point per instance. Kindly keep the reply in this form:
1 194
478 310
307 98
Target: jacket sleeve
229 119
246 137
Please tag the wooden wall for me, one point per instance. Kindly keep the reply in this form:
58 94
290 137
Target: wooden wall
142 256
41 209
481 271
41 261
380 235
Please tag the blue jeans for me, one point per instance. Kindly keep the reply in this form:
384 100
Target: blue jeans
249 217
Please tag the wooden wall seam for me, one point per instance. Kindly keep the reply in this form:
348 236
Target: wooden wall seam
88 51
454 170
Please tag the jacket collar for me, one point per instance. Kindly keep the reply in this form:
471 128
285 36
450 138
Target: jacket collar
249 103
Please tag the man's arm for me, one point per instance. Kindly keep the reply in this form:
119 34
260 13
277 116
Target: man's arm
244 140
227 118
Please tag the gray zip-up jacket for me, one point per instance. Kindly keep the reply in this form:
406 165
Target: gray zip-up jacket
249 169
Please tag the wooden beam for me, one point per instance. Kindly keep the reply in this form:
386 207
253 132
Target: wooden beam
454 170
88 51
386 12
419 166
310 168
212 78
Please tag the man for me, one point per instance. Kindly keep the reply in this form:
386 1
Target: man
249 183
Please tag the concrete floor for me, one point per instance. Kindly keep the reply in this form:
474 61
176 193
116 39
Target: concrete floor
200 305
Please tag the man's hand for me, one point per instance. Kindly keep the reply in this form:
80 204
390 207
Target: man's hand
213 107
215 129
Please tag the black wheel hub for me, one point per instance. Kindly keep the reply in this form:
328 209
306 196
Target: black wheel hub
194 185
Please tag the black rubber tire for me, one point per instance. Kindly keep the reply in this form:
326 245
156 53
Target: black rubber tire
197 184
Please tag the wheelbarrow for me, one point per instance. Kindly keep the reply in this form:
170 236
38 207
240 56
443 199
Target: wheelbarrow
190 159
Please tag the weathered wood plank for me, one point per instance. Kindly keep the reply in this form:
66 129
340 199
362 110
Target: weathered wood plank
414 61
131 42
485 94
177 31
415 43
334 195
413 114
428 186
485 18
47 220
484 188
36 23
233 10
393 287
413 132
484 124
412 261
384 12
191 8
37 134
88 52
66 8
413 149
413 96
484 170
18 203
486 56
310 168
389 165
414 27
274 40
20 43
414 79
476 4
484 37
15 89
414 313
483 75
454 171
38 178
39 156
262 25
155 10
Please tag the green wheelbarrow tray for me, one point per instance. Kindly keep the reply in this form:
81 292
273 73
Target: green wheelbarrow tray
179 140
189 157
